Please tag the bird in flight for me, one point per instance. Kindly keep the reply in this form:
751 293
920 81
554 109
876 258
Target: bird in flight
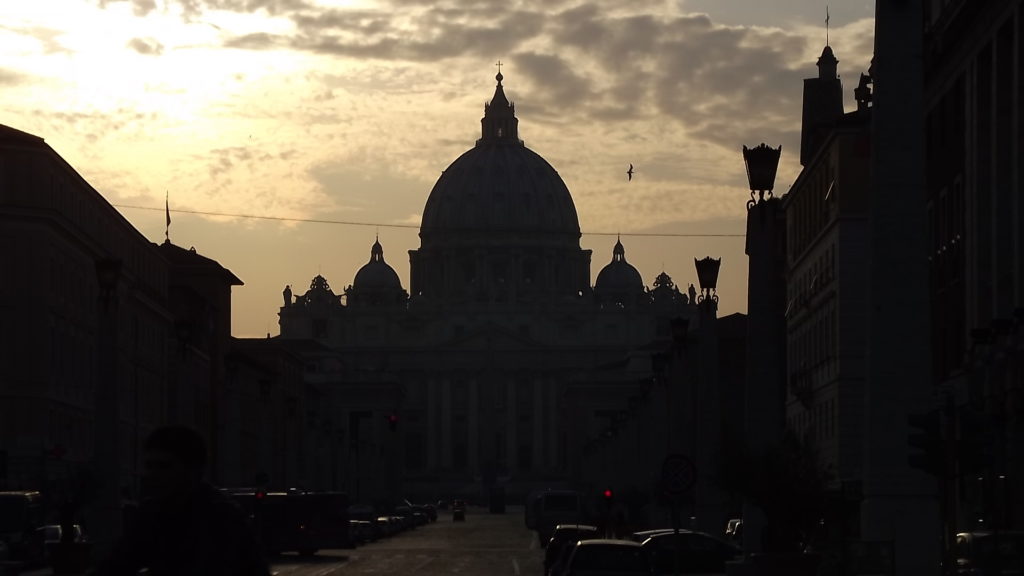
629 172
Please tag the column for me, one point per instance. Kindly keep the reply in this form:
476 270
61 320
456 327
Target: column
899 503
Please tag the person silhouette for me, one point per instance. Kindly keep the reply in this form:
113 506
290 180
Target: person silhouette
287 295
184 526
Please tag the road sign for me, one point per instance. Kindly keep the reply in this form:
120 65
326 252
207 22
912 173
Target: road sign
678 474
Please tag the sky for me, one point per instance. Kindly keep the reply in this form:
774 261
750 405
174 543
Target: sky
348 110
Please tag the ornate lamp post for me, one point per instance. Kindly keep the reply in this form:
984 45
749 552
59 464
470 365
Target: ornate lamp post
764 417
707 276
762 163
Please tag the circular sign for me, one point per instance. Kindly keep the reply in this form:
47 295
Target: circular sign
678 474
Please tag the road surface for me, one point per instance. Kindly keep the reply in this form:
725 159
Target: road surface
485 544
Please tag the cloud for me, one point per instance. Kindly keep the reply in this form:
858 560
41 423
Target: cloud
139 7
47 37
12 77
146 46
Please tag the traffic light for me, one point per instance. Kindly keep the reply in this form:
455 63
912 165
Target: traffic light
926 445
392 421
608 497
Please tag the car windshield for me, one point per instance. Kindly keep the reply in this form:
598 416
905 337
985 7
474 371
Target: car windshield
628 559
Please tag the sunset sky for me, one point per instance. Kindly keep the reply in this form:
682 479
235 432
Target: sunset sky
349 110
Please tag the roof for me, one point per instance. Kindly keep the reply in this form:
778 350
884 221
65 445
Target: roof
180 257
8 134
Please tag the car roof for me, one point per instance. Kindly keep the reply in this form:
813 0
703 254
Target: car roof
668 536
988 533
644 534
586 527
607 542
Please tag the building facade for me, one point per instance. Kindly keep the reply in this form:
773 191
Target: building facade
501 363
973 59
826 213
79 339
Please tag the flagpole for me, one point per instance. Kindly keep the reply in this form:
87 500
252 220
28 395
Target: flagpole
167 213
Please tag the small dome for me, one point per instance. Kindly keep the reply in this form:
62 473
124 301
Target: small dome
376 275
618 277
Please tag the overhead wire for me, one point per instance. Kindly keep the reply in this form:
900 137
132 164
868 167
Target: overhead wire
412 226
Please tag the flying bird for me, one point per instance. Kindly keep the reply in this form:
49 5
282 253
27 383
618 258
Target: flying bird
629 172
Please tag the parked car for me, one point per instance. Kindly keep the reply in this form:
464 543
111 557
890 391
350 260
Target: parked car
640 537
427 509
563 536
361 531
603 557
21 513
459 511
689 552
389 525
989 553
558 564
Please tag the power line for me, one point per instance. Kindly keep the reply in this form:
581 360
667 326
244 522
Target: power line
413 226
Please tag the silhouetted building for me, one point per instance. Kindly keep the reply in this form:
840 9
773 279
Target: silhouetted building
107 335
199 299
84 302
973 73
502 363
826 268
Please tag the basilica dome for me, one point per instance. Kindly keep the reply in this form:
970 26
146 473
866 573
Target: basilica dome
618 278
376 275
500 186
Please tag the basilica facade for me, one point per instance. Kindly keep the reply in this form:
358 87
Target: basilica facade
501 363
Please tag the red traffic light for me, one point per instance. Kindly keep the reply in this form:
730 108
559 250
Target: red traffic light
608 494
260 494
393 418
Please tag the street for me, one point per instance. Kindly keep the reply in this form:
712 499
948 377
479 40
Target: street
483 544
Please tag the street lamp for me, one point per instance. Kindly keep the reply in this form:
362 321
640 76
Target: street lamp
762 162
707 275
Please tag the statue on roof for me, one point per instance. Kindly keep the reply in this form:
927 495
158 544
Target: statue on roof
287 295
